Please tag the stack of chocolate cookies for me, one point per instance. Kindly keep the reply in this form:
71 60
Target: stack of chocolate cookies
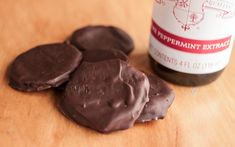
100 89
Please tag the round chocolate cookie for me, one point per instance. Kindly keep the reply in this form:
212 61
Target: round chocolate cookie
105 96
160 99
102 37
43 67
101 55
97 56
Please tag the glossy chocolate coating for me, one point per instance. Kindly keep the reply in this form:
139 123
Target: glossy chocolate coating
161 97
43 67
105 96
102 37
97 56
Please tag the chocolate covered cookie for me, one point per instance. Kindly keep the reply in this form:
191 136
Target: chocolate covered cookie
102 37
97 56
161 97
105 96
43 67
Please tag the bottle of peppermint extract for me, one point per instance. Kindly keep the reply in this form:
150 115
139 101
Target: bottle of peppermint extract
191 40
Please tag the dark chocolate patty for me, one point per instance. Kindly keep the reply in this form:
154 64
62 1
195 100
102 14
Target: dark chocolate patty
101 55
43 67
105 96
97 56
102 37
160 99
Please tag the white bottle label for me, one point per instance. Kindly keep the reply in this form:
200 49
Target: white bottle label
193 36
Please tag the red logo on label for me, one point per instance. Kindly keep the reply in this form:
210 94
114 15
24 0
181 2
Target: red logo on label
189 45
192 12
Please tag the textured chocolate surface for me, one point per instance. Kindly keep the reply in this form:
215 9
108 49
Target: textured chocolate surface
43 67
105 96
160 99
97 56
102 37
101 55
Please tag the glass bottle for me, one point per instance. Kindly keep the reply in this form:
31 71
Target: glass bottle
191 40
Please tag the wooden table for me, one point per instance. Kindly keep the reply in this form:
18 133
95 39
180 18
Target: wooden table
199 117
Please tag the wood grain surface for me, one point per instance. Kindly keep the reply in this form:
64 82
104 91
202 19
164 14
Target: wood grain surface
199 117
